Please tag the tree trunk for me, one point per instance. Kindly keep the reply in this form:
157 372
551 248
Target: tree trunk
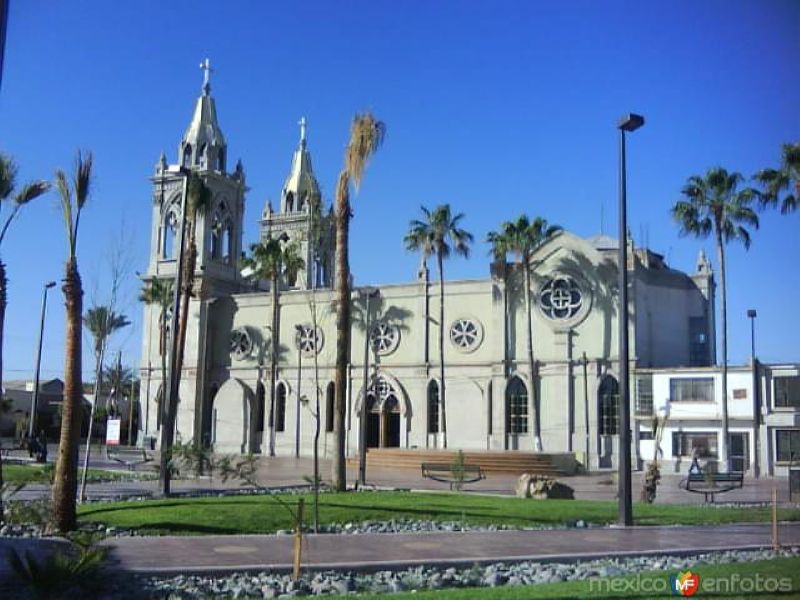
723 454
3 302
537 422
317 424
273 365
164 345
339 474
440 266
65 480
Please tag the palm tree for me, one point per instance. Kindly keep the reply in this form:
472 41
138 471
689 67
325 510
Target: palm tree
273 261
714 205
366 136
522 238
160 293
102 322
34 189
198 198
438 235
785 178
73 197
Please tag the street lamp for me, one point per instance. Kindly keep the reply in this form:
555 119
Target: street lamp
366 292
35 396
299 329
751 314
628 123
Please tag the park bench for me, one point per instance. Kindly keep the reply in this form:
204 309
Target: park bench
130 457
710 484
452 473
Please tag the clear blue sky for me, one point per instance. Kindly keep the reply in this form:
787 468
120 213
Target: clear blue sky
494 107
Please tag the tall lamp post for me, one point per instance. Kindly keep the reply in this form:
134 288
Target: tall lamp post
628 123
367 292
35 396
751 314
299 329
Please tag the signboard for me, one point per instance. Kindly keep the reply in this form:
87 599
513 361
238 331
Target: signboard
112 432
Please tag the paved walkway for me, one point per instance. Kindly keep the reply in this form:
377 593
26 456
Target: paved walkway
176 554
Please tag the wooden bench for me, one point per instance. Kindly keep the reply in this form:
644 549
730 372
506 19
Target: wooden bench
452 474
130 457
710 484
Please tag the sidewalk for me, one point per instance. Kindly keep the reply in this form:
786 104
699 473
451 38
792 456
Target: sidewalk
207 554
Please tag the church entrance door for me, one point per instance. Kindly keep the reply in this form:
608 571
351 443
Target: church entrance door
391 422
373 423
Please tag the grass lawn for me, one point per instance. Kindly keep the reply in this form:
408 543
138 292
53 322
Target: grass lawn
264 514
36 473
650 585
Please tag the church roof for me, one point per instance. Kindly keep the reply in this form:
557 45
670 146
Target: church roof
603 242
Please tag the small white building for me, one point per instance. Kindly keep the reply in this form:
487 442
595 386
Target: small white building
764 428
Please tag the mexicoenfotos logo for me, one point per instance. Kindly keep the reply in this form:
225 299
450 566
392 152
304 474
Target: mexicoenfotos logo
684 584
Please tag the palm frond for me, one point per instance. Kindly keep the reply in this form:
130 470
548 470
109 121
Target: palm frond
8 176
366 136
65 196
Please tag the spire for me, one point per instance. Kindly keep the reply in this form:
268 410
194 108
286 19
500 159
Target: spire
203 145
301 185
703 264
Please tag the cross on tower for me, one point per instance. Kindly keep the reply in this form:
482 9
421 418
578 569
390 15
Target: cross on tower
303 123
206 67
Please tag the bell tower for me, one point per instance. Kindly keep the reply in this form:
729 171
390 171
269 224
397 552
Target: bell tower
302 219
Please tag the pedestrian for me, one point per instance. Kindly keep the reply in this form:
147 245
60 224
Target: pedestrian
42 442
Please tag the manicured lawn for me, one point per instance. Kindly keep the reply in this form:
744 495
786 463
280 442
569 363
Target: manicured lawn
736 576
40 474
264 514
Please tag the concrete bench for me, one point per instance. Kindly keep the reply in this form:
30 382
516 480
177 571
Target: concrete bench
451 473
710 484
130 457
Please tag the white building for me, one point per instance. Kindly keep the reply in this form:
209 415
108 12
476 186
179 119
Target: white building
491 404
763 428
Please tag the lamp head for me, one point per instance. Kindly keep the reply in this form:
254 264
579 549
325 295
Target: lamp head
369 291
630 122
50 284
752 313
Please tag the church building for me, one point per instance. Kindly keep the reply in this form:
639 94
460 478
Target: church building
225 389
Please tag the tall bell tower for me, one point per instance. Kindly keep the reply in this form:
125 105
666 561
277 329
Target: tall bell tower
301 218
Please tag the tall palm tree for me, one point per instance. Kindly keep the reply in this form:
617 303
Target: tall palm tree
159 293
198 198
102 322
29 191
787 177
273 261
73 197
714 204
439 235
366 136
522 238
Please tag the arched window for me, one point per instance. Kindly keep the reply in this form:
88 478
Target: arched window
200 159
330 406
433 407
169 231
208 418
187 155
289 202
259 416
280 408
608 406
221 160
516 406
221 233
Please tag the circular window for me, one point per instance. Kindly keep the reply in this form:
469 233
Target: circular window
308 340
466 334
241 344
384 337
561 298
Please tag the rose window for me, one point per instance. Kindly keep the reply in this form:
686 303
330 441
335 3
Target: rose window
466 334
384 337
561 298
241 344
309 340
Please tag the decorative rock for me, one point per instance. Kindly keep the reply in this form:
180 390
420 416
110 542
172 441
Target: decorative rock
540 487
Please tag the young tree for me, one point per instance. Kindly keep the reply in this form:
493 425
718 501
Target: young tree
160 293
714 204
74 196
272 261
786 178
102 322
366 136
439 235
28 192
522 238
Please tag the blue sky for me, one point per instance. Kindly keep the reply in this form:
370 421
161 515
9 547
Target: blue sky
497 108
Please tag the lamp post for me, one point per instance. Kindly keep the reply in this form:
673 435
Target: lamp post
299 330
35 396
367 292
751 314
628 123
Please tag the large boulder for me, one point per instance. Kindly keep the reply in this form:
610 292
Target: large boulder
542 487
